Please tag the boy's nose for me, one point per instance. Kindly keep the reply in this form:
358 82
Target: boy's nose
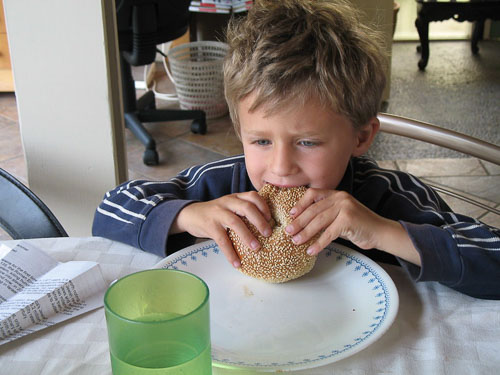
282 163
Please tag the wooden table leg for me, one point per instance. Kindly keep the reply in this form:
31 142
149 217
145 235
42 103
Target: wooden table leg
477 33
423 33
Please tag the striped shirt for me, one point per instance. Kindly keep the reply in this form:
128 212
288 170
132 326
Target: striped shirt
455 250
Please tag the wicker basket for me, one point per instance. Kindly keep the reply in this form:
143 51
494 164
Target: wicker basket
197 73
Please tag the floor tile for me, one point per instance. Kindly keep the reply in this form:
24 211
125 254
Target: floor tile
460 204
486 187
8 106
491 219
491 168
175 155
10 141
220 137
161 131
16 166
442 167
388 164
465 208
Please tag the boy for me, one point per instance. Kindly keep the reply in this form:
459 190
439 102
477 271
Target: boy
303 81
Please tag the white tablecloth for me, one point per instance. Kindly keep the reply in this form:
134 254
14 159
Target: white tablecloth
437 330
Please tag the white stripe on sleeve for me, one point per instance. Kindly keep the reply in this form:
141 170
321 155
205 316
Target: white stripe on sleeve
112 215
124 210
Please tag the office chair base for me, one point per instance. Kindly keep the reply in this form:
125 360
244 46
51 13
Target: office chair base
146 101
143 110
133 121
150 157
199 126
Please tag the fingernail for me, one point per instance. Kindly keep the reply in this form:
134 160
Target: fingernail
236 264
254 245
267 232
296 239
289 229
310 251
293 211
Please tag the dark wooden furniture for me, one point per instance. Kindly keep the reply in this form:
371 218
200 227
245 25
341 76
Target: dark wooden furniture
439 10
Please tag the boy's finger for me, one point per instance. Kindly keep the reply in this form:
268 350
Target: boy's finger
318 246
241 230
312 220
310 197
244 208
259 222
330 234
258 201
226 246
317 224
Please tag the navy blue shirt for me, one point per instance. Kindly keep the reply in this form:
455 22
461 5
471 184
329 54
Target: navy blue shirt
455 250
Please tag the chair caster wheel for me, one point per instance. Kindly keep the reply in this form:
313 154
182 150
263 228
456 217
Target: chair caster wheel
150 157
199 126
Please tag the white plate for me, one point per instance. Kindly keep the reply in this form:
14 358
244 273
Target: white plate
339 308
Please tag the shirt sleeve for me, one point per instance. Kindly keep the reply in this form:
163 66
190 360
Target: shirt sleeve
140 213
455 250
464 255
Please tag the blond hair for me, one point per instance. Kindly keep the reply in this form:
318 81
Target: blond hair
289 51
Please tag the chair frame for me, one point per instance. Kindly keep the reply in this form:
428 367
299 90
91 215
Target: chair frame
22 214
422 131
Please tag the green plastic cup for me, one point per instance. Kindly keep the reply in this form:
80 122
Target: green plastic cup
159 323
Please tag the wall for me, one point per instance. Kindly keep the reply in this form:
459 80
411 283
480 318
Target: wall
380 14
66 75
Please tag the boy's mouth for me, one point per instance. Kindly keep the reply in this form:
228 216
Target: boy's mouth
287 185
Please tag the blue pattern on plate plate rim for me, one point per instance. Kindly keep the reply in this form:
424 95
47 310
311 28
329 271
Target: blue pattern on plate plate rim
371 275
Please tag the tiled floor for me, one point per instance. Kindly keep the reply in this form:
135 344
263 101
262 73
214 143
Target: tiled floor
179 148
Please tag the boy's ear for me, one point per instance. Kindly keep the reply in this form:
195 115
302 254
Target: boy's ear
365 136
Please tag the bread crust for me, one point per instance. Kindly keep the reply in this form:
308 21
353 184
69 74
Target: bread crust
279 259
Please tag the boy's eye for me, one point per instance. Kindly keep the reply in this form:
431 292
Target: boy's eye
308 143
262 142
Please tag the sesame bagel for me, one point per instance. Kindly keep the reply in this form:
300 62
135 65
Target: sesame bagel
279 259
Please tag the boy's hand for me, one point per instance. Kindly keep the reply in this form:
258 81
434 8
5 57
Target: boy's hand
339 215
212 219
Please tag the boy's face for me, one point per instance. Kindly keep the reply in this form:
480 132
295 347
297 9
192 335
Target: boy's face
297 146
